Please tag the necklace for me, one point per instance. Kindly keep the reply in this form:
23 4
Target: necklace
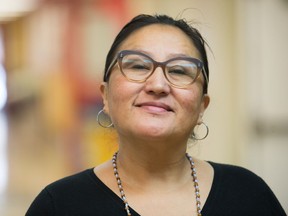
193 174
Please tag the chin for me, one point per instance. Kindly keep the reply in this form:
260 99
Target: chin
153 132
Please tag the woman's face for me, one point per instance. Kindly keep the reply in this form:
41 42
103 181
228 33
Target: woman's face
154 109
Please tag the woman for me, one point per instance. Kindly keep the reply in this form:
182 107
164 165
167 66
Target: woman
155 93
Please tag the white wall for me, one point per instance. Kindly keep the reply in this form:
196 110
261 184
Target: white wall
262 68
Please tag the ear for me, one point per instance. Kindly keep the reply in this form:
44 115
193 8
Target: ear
204 104
104 94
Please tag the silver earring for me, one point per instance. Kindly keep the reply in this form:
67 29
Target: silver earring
193 136
99 121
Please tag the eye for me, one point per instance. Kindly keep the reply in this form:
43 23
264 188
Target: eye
177 70
182 68
139 66
136 64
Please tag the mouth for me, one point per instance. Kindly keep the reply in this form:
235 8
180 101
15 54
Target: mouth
155 106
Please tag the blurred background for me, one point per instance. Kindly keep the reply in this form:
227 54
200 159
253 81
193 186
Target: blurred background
52 55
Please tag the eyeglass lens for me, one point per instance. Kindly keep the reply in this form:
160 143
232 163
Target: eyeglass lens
179 72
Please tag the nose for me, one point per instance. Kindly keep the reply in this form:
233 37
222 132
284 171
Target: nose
157 83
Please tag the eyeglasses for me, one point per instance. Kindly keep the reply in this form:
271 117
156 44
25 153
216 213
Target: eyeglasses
180 72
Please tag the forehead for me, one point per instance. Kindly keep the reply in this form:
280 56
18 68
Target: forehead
160 40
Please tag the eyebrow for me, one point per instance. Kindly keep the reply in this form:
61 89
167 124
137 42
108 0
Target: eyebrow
170 55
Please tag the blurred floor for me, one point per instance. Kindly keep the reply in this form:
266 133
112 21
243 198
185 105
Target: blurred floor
31 157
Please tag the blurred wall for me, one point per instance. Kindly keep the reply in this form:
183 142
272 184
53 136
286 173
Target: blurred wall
262 74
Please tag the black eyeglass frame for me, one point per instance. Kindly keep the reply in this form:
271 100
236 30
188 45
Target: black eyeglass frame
121 54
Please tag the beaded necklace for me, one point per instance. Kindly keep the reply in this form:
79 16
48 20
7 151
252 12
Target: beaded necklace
193 174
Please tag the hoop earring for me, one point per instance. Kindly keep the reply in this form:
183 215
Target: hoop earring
99 121
193 136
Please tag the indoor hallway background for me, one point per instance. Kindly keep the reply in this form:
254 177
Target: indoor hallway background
53 54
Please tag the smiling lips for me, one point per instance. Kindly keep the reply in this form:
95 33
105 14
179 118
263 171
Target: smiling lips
155 106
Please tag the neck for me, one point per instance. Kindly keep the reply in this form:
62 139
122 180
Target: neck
156 154
121 190
157 162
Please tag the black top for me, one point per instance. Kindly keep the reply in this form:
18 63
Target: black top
235 191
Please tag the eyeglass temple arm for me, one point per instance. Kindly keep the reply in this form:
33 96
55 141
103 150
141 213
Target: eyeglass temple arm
205 75
110 67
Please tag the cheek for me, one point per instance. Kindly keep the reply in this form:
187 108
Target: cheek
121 94
191 101
115 94
191 106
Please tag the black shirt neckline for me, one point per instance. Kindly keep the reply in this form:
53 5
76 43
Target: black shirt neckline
119 201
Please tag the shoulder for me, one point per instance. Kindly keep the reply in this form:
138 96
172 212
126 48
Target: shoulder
76 188
73 188
79 194
62 194
237 177
81 179
242 191
233 171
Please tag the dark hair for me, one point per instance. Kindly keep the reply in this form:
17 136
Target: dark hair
143 20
